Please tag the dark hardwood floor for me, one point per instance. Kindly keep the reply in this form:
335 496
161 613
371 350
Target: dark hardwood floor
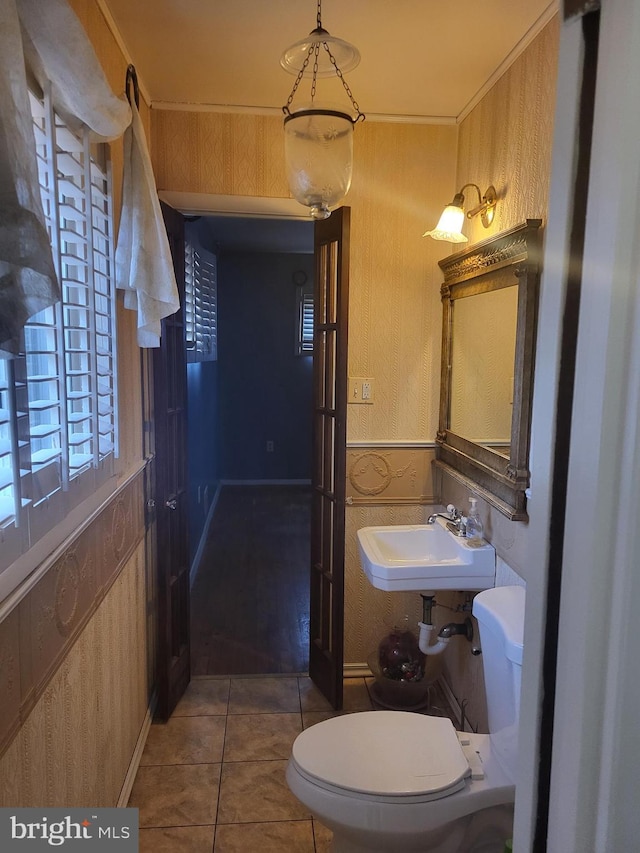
250 598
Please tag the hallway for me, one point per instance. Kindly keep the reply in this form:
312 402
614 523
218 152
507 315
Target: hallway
250 598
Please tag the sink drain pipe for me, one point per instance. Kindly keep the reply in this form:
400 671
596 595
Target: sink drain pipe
446 632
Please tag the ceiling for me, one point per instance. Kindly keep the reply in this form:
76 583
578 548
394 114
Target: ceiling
421 59
225 54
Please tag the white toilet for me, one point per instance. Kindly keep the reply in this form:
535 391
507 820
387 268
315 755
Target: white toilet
399 781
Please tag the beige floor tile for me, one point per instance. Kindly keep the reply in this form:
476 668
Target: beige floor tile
264 696
204 696
178 795
310 718
185 740
256 791
356 696
310 697
322 837
289 836
177 839
255 737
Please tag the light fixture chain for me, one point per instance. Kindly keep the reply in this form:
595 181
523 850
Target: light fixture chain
315 73
344 82
286 109
315 49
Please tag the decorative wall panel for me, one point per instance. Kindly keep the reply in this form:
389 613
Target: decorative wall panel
38 636
76 745
390 475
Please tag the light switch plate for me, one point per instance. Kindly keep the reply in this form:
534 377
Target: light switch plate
360 390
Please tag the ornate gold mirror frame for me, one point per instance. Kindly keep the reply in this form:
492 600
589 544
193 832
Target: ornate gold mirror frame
498 478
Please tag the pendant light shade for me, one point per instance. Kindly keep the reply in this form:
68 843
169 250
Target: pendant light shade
319 136
319 158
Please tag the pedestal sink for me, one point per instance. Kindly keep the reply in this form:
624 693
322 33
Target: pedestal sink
424 557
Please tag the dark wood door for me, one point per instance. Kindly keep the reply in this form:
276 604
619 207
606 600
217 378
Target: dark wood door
170 418
331 301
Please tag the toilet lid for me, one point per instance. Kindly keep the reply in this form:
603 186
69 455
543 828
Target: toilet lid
390 753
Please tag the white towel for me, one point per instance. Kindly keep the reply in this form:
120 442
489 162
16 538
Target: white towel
144 268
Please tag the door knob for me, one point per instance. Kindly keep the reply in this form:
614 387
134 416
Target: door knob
172 504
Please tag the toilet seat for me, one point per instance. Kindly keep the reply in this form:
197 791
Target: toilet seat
376 755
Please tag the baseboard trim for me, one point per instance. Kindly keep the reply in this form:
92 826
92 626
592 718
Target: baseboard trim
356 670
134 764
265 482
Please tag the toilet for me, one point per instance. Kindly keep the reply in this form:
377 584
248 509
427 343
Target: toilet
397 780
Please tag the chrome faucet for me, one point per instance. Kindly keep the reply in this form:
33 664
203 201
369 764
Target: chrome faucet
456 522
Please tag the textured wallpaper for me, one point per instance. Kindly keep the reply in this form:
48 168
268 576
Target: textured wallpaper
506 140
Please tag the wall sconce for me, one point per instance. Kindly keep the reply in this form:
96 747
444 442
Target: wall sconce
449 226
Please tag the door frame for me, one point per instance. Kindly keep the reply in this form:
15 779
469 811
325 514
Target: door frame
261 207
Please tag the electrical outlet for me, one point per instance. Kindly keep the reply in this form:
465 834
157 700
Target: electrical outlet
269 447
360 390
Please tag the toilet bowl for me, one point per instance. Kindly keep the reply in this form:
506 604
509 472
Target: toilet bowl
400 781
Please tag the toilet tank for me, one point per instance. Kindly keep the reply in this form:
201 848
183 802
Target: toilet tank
500 615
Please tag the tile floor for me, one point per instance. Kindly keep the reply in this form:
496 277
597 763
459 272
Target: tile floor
211 779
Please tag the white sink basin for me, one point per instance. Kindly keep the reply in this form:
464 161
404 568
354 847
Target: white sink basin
424 557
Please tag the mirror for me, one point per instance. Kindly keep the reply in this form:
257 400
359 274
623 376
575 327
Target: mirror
489 299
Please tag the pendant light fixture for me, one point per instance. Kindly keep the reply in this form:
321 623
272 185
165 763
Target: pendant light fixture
319 135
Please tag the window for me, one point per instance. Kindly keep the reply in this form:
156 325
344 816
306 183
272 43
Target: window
201 295
304 332
58 416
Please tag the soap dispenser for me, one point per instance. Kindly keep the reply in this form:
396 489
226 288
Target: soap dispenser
474 525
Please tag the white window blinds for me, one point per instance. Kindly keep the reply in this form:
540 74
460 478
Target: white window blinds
304 325
58 419
201 310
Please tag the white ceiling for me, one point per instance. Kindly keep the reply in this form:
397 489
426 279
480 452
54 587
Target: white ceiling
420 58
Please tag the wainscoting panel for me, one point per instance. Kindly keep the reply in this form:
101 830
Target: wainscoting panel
383 474
66 605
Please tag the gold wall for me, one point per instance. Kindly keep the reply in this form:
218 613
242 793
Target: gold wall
506 141
73 651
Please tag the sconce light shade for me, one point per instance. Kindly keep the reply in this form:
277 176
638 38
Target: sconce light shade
449 227
319 157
